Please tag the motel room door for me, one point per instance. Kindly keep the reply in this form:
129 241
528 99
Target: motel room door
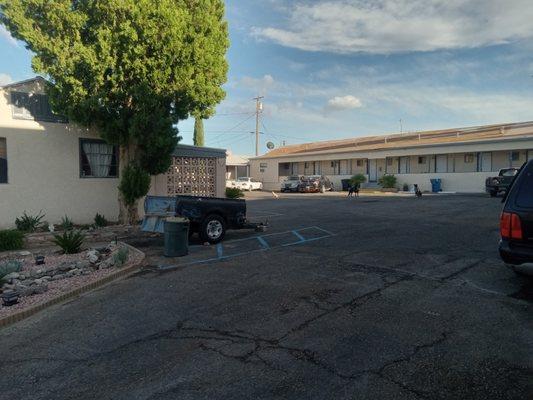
373 170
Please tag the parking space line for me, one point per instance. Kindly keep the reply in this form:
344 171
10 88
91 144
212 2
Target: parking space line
261 239
263 242
220 251
298 236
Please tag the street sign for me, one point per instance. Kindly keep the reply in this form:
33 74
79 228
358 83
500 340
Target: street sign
270 145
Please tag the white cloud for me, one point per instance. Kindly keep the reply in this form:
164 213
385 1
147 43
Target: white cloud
7 36
340 103
5 79
393 26
260 85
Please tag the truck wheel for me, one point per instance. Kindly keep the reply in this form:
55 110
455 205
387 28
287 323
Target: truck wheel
250 188
322 189
493 193
213 229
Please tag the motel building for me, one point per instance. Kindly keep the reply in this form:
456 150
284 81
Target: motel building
462 158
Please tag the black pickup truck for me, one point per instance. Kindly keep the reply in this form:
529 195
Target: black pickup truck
210 217
500 183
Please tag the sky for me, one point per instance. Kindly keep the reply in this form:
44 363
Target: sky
332 69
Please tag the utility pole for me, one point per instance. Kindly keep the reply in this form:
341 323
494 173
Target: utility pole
258 109
401 126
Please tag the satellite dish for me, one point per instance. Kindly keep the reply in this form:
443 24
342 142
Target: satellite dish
270 145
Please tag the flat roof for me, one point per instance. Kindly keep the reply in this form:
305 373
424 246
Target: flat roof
411 139
184 150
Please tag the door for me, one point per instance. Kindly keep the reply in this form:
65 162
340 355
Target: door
404 165
441 163
486 162
372 170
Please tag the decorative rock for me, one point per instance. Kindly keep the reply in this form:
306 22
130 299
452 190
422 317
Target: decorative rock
24 253
83 264
38 289
85 272
11 276
57 277
65 266
104 265
46 278
37 282
93 256
22 277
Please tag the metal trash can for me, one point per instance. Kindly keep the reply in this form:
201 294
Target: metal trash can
176 232
436 185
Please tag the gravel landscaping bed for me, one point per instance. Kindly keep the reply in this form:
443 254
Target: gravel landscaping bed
61 273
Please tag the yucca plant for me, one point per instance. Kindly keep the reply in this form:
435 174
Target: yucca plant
29 223
100 221
66 223
70 241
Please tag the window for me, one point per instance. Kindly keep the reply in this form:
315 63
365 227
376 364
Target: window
3 161
33 107
515 156
98 159
359 163
263 165
469 158
389 161
524 197
422 160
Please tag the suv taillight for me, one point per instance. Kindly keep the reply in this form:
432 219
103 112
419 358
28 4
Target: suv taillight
511 226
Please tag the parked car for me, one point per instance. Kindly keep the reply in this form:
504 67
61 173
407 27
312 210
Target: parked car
315 183
500 183
516 223
247 183
291 184
210 217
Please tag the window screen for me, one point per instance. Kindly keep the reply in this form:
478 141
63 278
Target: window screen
515 156
524 197
359 163
3 161
98 159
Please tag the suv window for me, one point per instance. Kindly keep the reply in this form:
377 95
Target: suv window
508 172
524 197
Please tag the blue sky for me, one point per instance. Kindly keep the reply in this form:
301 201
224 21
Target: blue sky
344 68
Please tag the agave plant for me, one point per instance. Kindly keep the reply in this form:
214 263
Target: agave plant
29 223
70 241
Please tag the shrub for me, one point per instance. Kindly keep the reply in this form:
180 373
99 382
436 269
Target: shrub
100 221
357 179
234 193
121 256
134 184
387 181
70 241
9 267
11 239
66 223
29 223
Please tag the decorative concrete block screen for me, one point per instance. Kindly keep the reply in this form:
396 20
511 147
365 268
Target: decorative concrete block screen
194 176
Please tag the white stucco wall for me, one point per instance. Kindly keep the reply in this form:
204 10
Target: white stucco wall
463 182
44 172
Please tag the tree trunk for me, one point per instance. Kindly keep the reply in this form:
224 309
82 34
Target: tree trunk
127 214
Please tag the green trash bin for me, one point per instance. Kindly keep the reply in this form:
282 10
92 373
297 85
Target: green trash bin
176 232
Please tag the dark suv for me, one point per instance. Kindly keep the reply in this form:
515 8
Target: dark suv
516 222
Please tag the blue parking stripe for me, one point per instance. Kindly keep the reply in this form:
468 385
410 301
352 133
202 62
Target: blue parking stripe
263 242
220 250
302 239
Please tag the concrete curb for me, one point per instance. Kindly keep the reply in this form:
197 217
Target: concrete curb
23 314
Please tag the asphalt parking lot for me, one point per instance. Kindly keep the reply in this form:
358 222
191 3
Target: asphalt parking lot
369 298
